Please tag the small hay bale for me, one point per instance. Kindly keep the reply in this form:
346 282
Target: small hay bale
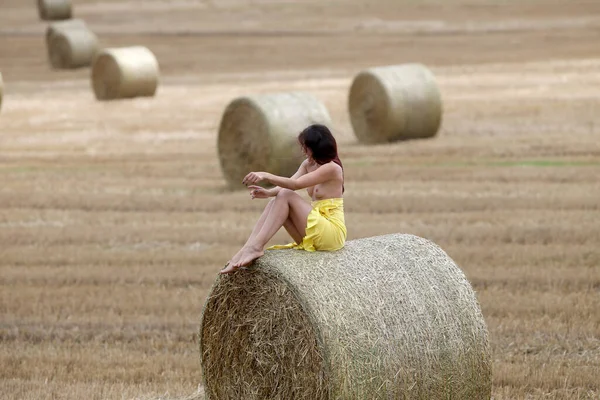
386 317
56 27
71 45
260 133
54 9
393 103
126 72
1 90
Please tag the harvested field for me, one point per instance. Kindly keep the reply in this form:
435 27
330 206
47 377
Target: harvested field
115 217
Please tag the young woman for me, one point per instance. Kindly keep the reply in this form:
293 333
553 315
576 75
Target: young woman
316 226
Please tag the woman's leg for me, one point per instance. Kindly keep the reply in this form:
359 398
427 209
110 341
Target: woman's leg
293 231
288 225
287 205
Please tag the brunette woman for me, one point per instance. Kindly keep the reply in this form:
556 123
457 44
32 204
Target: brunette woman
315 226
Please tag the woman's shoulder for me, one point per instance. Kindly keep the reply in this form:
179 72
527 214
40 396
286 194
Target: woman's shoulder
334 166
332 169
331 166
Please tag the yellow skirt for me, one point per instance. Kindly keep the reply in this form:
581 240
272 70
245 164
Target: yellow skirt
325 227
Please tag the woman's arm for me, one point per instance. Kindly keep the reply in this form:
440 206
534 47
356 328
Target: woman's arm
321 175
300 172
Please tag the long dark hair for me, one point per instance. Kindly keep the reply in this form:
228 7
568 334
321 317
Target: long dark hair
319 139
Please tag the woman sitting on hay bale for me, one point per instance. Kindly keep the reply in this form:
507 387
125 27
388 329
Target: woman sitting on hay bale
316 226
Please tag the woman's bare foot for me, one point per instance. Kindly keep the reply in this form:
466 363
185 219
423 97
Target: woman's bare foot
248 254
228 266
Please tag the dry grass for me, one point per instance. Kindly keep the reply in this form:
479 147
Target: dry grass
115 218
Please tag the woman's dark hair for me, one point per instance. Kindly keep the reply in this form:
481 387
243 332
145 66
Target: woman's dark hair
322 144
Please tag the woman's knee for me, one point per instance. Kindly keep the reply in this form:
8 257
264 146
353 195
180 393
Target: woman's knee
285 193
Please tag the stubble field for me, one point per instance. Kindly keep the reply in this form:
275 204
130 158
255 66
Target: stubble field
115 218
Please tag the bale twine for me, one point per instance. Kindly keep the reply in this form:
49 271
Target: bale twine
71 45
386 317
126 72
260 133
395 103
54 9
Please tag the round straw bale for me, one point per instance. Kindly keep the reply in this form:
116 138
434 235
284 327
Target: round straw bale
54 9
71 47
55 27
1 90
387 317
395 103
260 133
125 72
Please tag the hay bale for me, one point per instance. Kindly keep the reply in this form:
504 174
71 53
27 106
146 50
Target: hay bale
1 90
395 103
119 73
71 45
260 133
54 9
56 27
386 317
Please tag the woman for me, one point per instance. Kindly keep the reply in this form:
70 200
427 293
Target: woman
316 226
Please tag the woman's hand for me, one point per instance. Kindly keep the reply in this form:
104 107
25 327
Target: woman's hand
254 177
257 192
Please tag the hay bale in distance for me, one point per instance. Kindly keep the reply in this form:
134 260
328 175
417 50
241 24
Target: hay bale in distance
70 44
1 90
260 133
393 103
126 72
55 27
386 317
54 9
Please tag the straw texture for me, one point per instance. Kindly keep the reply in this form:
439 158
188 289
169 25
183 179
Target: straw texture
54 9
393 103
260 133
387 317
126 72
71 44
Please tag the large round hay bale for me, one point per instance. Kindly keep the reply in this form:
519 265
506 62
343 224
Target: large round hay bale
119 73
260 133
388 317
54 9
71 47
395 103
